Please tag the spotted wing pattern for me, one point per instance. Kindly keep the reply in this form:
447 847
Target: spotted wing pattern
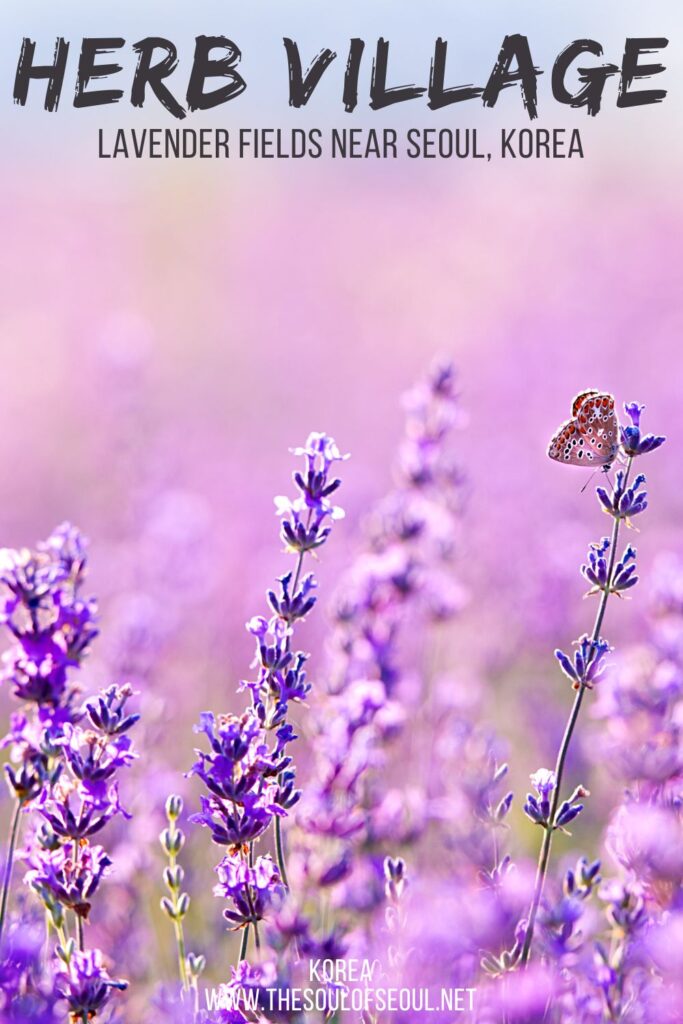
568 446
590 438
581 398
598 424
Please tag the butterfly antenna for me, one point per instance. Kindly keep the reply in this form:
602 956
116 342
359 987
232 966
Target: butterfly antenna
588 481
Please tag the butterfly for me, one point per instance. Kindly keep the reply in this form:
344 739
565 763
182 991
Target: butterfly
589 438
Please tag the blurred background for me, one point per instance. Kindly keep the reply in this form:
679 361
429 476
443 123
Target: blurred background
170 329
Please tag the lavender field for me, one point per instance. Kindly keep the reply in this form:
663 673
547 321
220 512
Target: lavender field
192 842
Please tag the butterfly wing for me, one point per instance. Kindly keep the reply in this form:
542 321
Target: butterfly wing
597 423
581 398
569 446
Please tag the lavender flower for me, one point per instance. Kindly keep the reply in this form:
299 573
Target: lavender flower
625 502
247 772
37 669
632 441
85 983
85 818
30 580
108 713
27 992
52 627
250 982
64 870
619 964
589 660
52 624
253 889
559 923
241 769
289 607
67 874
595 571
235 827
306 520
395 875
538 807
625 907
35 751
583 879
59 769
95 759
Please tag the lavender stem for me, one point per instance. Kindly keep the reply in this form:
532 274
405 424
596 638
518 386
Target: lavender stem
257 940
279 845
79 919
244 944
280 853
180 943
179 934
172 840
544 855
14 831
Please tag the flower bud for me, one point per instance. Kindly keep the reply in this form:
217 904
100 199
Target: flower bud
394 869
172 842
168 907
173 877
174 807
503 807
195 964
57 914
66 951
490 965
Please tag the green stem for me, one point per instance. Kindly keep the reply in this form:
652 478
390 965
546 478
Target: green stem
299 563
279 845
14 831
178 928
48 929
257 939
62 936
79 920
544 854
182 965
244 944
280 852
